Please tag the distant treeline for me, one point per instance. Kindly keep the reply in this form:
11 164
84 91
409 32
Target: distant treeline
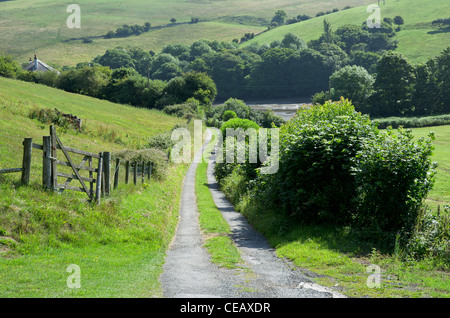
442 21
353 61
284 68
129 30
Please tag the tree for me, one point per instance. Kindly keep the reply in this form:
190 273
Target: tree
201 87
129 90
425 99
8 67
381 42
336 57
87 80
152 93
198 48
442 73
292 41
385 27
270 78
167 71
115 58
353 83
398 20
228 72
350 35
327 32
388 20
286 72
368 60
160 59
192 84
393 86
142 60
173 20
279 17
176 49
303 17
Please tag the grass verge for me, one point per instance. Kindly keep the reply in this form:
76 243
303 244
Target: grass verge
219 245
119 245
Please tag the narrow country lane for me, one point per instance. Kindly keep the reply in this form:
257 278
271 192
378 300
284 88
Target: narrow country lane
189 273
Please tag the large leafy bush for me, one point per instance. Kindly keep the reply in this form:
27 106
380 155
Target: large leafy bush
315 181
336 167
393 176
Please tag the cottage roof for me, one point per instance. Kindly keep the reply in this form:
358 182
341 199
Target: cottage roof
38 65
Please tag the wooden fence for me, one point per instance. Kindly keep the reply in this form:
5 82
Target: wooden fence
96 183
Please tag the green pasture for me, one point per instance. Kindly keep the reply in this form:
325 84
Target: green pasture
28 27
418 39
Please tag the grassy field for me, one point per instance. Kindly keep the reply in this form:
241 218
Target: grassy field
413 38
29 28
120 244
440 194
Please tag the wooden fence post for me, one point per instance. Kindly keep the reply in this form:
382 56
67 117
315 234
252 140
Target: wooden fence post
116 173
46 163
143 172
53 158
127 172
107 172
26 161
98 190
135 173
149 172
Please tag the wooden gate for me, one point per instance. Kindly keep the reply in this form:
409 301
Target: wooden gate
96 179
86 183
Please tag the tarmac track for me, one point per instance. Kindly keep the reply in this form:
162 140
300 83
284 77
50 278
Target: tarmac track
189 273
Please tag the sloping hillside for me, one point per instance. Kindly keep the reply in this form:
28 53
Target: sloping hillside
110 126
29 27
418 39
42 233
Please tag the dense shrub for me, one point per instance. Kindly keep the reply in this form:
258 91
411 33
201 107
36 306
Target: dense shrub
248 166
336 167
8 67
184 110
266 119
236 123
393 176
161 141
315 182
229 114
431 237
52 116
237 106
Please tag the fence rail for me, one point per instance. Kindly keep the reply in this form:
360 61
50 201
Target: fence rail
98 181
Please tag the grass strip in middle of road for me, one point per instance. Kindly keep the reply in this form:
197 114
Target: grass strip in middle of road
219 245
